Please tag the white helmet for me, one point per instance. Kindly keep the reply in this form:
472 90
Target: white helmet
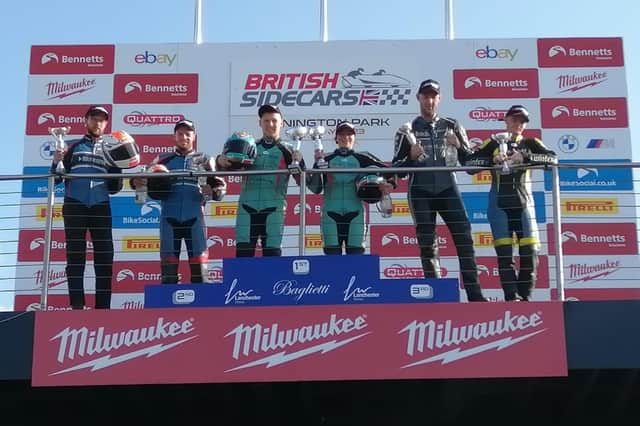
120 150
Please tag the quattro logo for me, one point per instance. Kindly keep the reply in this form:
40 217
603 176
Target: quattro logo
589 206
155 88
584 113
495 83
580 52
89 59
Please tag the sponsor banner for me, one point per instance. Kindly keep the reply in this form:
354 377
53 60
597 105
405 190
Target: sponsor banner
401 213
55 302
478 136
136 244
576 295
68 59
41 117
316 87
371 292
70 89
582 82
595 238
401 241
476 205
580 52
569 113
222 213
596 207
34 216
148 58
587 144
488 113
490 278
507 53
322 343
132 276
127 301
313 210
155 88
592 178
495 83
150 119
38 188
31 245
30 277
599 271
151 146
221 241
495 295
126 213
234 185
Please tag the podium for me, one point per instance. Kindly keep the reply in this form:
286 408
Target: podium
302 280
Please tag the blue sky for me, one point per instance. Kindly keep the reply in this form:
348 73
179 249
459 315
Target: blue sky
32 22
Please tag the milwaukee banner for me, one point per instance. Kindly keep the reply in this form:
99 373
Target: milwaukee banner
354 342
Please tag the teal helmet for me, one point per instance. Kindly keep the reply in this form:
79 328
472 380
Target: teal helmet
240 148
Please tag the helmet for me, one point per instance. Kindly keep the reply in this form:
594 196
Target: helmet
240 148
367 188
158 188
120 150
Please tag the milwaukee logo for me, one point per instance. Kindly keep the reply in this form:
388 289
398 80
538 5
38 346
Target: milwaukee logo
484 177
587 206
313 241
225 210
573 82
78 343
141 244
63 89
482 239
258 339
583 272
41 212
430 336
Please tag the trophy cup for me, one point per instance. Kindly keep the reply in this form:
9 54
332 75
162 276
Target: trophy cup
450 151
296 135
200 161
316 134
58 134
503 139
411 137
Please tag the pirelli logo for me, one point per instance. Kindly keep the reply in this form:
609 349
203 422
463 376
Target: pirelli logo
313 241
141 244
224 210
484 177
590 206
401 208
41 213
482 239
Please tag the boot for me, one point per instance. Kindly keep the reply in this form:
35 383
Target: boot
528 271
169 272
474 293
507 272
199 273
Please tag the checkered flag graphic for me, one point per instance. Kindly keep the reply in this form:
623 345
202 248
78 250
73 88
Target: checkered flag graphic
394 97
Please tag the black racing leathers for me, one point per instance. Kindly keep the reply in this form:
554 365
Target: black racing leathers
432 192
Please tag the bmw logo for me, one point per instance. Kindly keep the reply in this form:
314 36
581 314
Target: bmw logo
568 143
47 149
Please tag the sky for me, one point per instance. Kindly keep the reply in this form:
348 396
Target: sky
34 22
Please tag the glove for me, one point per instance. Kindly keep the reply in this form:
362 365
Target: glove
218 186
294 168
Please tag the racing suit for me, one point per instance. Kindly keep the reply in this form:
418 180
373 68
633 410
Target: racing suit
511 212
262 200
86 208
437 192
182 216
342 219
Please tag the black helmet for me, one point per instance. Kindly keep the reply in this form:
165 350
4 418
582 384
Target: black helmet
368 189
240 148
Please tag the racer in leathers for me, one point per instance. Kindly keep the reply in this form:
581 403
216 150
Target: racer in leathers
86 207
182 215
343 221
437 192
261 205
511 209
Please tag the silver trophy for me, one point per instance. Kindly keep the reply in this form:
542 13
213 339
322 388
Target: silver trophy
200 162
296 135
503 139
316 134
58 134
411 137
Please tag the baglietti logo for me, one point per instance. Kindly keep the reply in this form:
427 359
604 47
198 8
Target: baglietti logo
63 89
142 119
590 206
584 272
98 59
272 345
487 114
155 88
482 239
140 244
490 52
584 113
580 52
41 117
570 83
313 241
399 270
495 83
41 213
75 345
484 177
357 87
225 210
447 342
